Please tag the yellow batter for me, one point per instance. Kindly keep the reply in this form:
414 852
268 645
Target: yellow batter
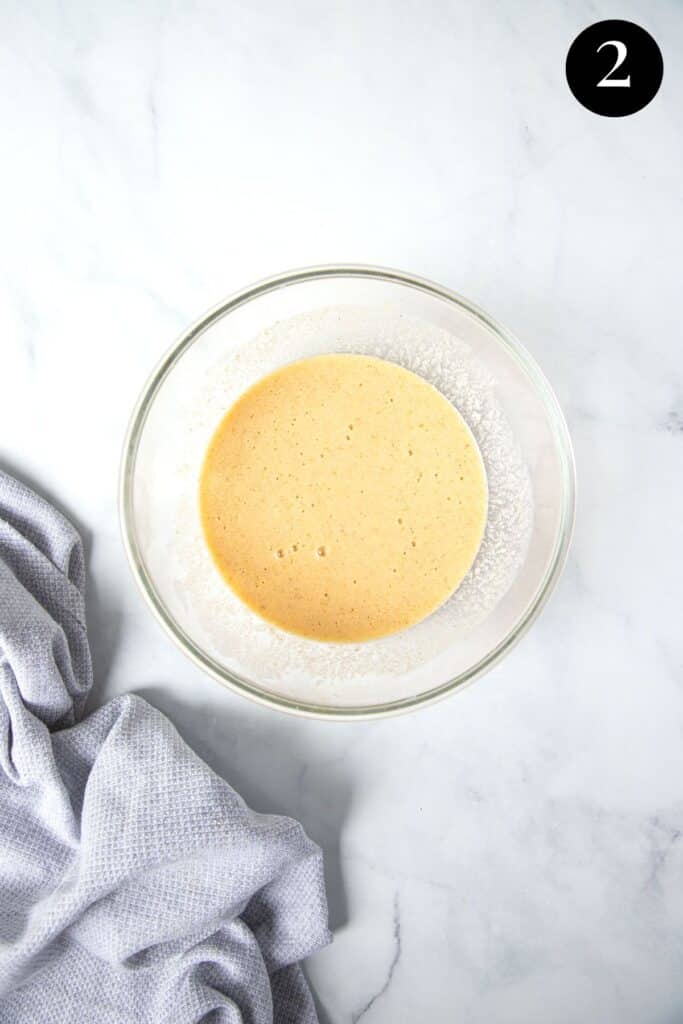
343 498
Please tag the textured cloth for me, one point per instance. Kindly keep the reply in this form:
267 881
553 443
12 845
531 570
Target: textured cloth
135 885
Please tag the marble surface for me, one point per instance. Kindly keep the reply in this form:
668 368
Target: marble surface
514 854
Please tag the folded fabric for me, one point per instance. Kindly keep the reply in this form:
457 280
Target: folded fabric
135 884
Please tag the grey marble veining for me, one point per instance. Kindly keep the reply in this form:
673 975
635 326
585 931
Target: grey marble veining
514 854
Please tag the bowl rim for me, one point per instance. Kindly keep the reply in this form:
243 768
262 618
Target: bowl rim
244 686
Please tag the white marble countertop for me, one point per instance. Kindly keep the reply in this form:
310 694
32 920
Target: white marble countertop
514 854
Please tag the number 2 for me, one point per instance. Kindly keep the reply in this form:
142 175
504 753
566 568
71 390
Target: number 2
624 83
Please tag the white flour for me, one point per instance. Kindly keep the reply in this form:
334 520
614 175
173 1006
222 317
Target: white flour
319 671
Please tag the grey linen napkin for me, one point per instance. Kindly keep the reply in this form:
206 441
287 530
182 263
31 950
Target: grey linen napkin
135 884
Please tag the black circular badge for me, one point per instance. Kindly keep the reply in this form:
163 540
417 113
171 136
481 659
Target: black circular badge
614 68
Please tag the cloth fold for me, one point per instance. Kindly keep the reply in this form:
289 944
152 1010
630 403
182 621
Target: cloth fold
135 884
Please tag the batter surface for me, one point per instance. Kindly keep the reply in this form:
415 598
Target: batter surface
343 498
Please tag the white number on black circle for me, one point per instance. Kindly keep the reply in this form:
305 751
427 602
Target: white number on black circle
623 83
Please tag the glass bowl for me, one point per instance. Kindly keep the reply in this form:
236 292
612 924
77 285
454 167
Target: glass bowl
499 390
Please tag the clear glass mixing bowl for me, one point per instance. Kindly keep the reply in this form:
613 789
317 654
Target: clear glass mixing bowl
178 410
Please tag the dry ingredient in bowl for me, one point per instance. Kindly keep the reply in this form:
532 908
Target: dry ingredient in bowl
292 665
343 498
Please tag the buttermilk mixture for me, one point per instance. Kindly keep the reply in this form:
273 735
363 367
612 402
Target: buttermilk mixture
343 498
